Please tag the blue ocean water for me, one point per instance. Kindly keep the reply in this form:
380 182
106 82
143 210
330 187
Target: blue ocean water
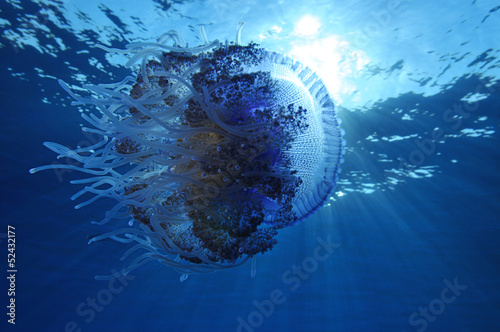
410 239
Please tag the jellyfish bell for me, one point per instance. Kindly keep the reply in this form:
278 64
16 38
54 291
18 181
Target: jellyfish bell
208 150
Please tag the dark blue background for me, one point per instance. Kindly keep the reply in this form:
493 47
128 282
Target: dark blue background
396 246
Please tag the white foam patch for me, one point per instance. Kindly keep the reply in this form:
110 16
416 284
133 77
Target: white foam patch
469 132
395 138
474 97
4 22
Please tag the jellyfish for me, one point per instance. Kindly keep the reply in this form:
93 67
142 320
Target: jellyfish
208 151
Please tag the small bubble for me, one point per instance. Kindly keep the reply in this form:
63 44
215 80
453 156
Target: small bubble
219 148
237 167
203 175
